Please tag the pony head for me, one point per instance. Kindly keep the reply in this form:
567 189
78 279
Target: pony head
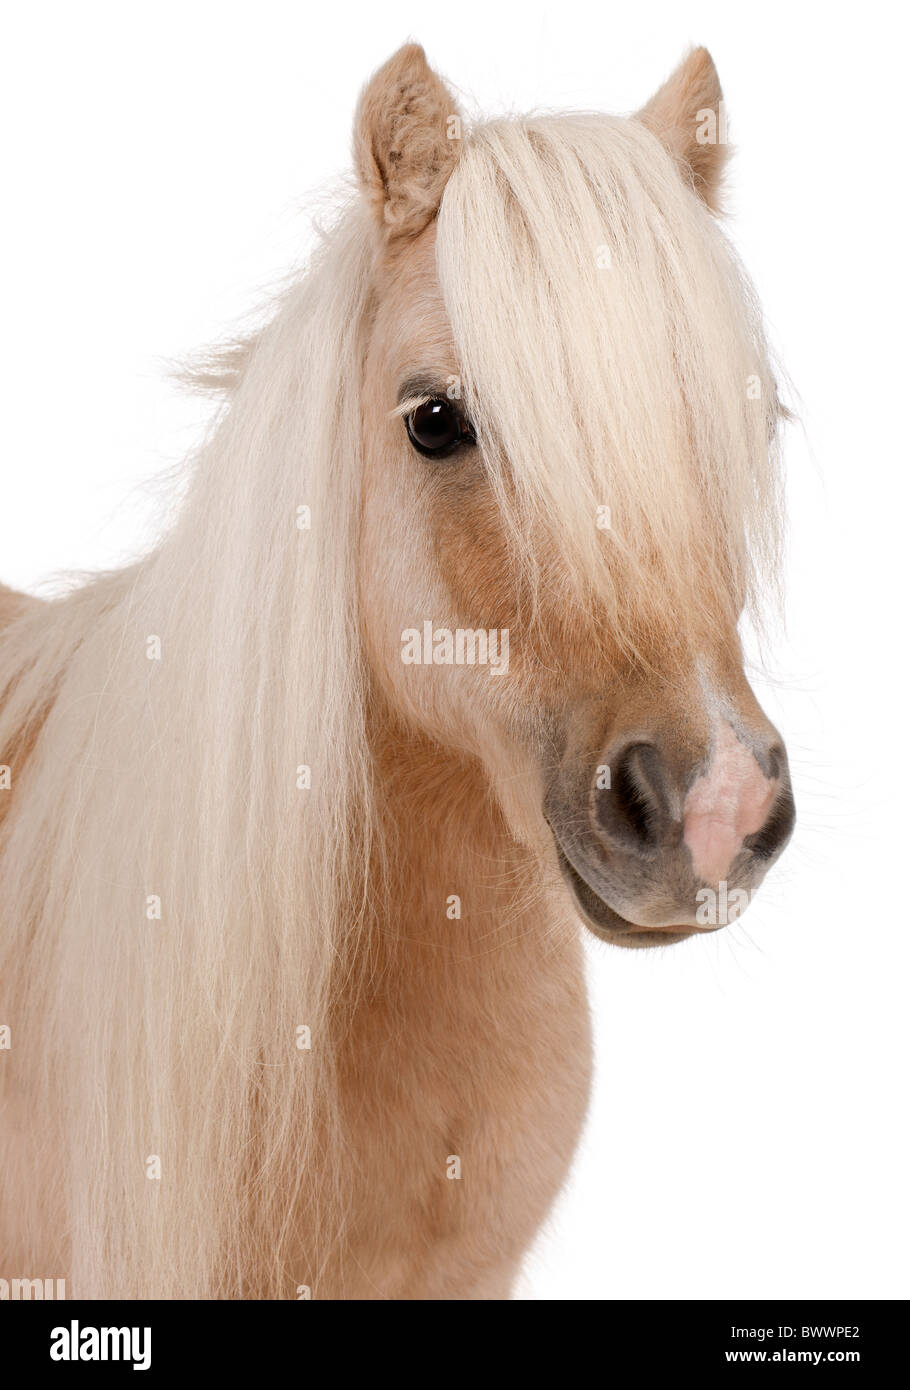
570 486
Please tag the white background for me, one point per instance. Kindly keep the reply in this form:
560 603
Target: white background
748 1133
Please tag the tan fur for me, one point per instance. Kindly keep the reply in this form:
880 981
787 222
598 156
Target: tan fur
402 149
673 115
452 1045
434 1037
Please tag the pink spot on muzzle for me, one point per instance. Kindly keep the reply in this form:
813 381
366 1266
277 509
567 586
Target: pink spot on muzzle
728 802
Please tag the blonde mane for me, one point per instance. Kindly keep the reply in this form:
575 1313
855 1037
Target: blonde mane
178 778
607 339
613 356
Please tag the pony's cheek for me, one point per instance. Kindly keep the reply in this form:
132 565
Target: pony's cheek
441 663
443 681
399 590
452 683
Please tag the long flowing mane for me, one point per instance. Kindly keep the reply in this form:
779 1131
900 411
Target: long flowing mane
177 778
607 337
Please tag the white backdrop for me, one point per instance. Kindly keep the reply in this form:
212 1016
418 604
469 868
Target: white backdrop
748 1135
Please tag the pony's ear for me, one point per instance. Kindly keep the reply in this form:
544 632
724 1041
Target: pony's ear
688 118
406 141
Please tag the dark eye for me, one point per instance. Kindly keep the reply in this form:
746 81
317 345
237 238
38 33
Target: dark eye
436 428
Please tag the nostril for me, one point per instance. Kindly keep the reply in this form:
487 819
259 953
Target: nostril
774 760
631 800
631 808
777 829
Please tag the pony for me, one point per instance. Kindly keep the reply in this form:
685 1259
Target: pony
304 812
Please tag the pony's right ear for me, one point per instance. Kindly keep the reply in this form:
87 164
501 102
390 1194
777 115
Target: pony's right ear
407 136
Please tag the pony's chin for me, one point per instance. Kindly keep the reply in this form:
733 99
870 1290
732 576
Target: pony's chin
607 924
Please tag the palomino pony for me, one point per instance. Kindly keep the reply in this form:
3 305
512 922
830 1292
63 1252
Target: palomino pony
303 812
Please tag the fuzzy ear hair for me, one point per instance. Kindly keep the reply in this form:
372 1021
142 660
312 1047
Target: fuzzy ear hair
688 117
407 136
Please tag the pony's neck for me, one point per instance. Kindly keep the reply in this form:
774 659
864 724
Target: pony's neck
468 961
452 870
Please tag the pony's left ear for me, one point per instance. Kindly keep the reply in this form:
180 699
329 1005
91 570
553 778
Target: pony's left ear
688 118
407 135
